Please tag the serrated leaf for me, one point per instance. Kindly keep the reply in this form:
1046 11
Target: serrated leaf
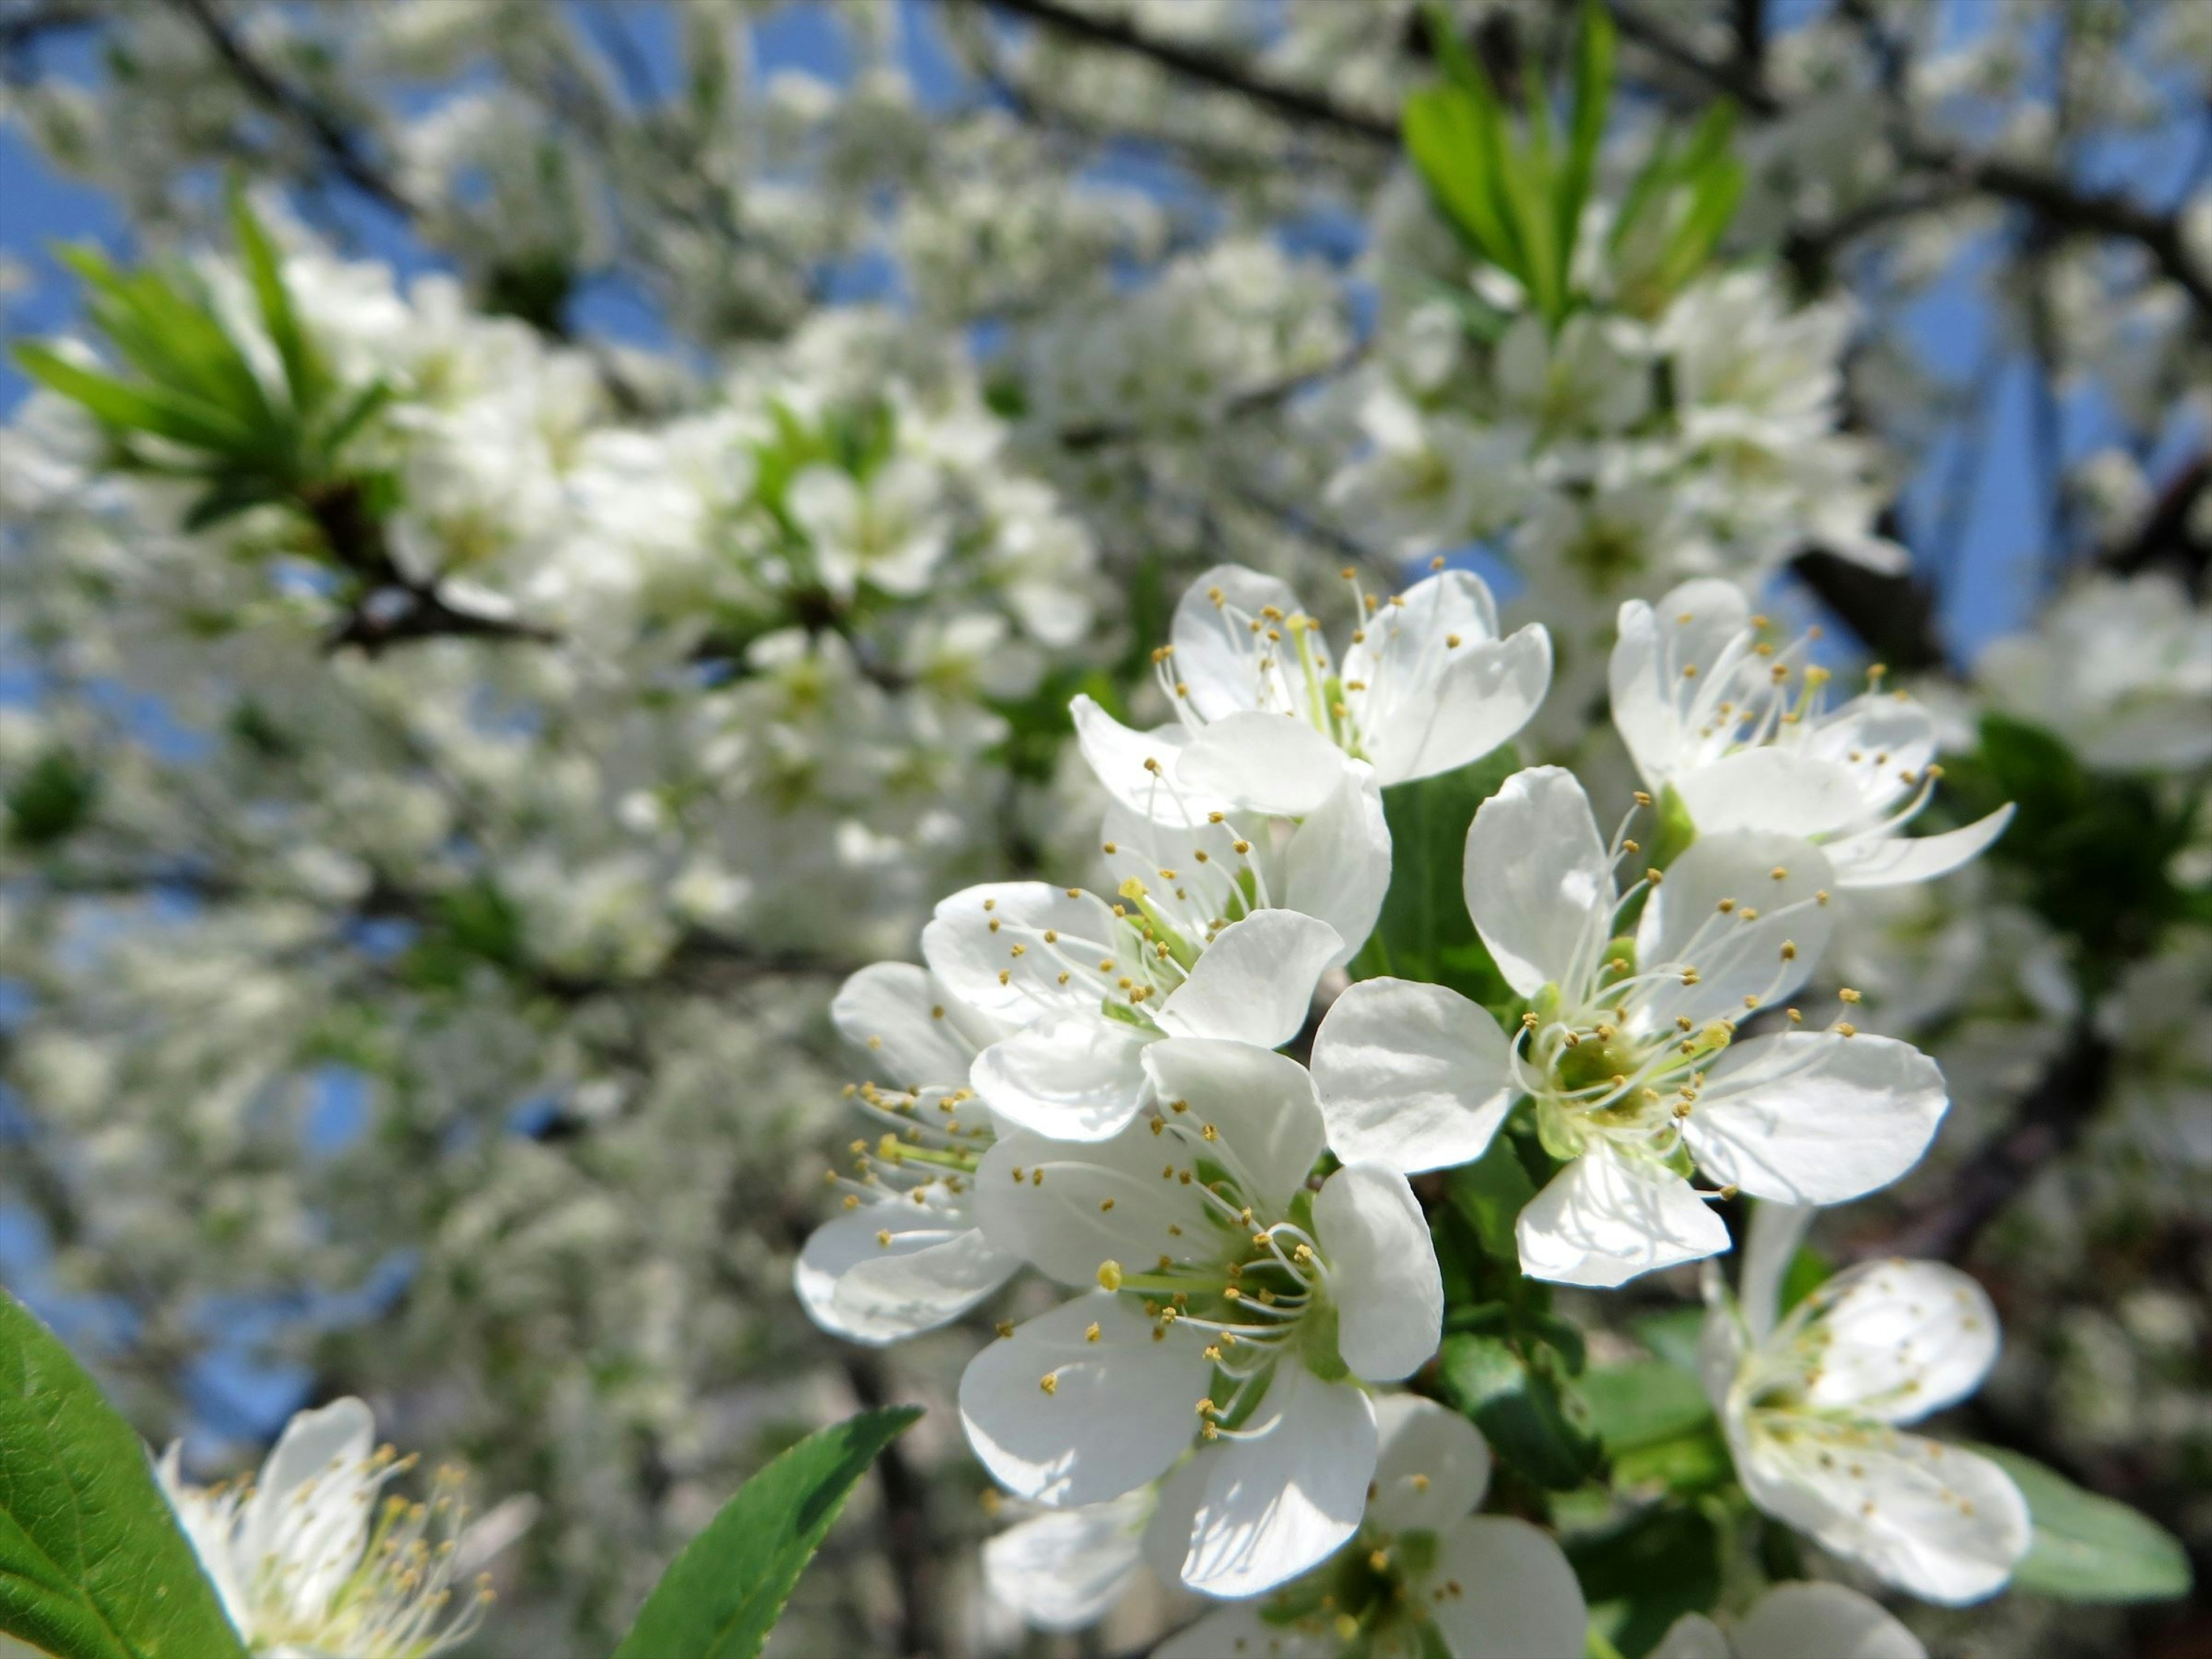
722 1595
92 1563
2088 1547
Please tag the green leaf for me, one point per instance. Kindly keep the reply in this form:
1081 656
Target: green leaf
722 1595
1594 46
1444 136
1673 1336
1643 1573
2088 1548
135 408
303 367
1424 932
50 801
92 1563
1530 1421
164 326
1643 1402
1490 1193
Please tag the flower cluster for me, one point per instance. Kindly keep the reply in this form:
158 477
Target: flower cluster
1095 1088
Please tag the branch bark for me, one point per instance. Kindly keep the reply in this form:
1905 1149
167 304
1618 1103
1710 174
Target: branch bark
1209 68
295 105
1894 616
2046 1123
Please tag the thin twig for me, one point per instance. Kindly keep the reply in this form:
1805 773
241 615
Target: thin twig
1212 69
336 142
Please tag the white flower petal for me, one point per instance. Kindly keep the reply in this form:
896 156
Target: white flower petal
1693 1636
1217 654
1692 627
1933 1520
1774 789
1262 1101
1517 1597
1255 982
1064 1570
1166 1538
1433 1468
1382 1272
1538 883
935 1268
1815 1117
1338 865
1121 1410
1892 861
1792 1621
1117 753
1776 1230
1285 1498
1762 947
1445 689
1203 857
1606 1217
1075 1207
1413 1076
1906 1337
969 944
1240 1633
1077 1076
1269 763
310 1507
1884 740
910 1022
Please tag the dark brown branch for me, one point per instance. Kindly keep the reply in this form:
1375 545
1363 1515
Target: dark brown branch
337 143
906 1519
2164 537
2064 206
1893 615
2047 1122
1739 78
1209 68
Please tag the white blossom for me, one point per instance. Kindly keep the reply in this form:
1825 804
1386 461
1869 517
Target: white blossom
1629 1049
1235 1315
309 1563
1791 1620
1424 1573
2122 670
1739 730
1811 1398
906 1256
1269 715
1089 986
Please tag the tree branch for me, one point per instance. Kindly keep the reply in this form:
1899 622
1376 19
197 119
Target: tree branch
2164 537
2046 1123
1894 616
1212 69
1739 78
336 142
